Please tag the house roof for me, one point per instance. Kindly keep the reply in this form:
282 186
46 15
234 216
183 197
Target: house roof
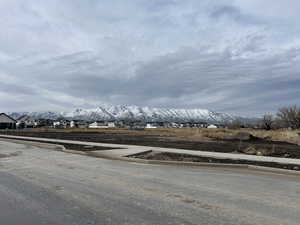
25 117
7 116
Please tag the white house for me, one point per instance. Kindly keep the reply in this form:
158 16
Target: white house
72 124
56 123
102 125
97 125
150 126
111 124
212 126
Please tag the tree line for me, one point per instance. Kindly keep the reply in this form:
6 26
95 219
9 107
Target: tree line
286 117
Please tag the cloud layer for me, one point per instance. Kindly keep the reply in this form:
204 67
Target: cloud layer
239 56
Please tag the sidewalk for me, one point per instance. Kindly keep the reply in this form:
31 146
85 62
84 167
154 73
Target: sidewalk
135 149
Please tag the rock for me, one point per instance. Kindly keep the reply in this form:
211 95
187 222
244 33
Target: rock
296 168
250 150
266 152
255 150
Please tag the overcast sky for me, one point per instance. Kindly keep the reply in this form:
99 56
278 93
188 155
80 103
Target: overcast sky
238 56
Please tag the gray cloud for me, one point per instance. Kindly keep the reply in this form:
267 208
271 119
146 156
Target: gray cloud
207 54
230 12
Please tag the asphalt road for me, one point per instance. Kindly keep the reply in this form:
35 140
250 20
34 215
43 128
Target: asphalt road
41 186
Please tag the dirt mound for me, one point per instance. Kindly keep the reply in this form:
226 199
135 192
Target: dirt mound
264 151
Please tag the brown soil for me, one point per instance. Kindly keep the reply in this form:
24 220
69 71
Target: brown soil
255 145
165 156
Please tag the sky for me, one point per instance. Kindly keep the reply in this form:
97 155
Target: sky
238 56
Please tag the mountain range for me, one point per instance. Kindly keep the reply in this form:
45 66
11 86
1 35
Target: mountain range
124 112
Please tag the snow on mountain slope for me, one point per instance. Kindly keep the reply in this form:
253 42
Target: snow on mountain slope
118 112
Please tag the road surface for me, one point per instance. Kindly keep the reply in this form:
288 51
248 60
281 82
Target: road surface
41 186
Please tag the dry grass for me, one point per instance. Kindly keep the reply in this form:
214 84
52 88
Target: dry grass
279 135
274 135
291 136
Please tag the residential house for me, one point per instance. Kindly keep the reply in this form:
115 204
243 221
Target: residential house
26 121
79 124
102 124
6 122
150 126
212 126
45 123
61 124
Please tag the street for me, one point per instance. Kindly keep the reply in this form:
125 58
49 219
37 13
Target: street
42 186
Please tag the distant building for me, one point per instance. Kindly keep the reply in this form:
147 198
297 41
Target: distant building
26 121
6 122
212 126
111 124
72 124
150 126
61 124
82 124
200 124
79 124
135 125
102 124
57 124
156 124
46 123
172 125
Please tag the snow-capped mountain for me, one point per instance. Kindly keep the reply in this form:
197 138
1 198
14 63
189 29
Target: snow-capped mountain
120 112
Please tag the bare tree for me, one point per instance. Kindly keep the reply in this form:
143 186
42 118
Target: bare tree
235 124
290 116
267 121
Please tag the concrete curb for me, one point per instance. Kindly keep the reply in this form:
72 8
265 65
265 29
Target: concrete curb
199 164
154 162
54 147
187 164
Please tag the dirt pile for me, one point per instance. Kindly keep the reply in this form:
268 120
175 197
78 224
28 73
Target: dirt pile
263 151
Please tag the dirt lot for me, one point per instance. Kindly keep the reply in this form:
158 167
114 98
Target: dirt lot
219 140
